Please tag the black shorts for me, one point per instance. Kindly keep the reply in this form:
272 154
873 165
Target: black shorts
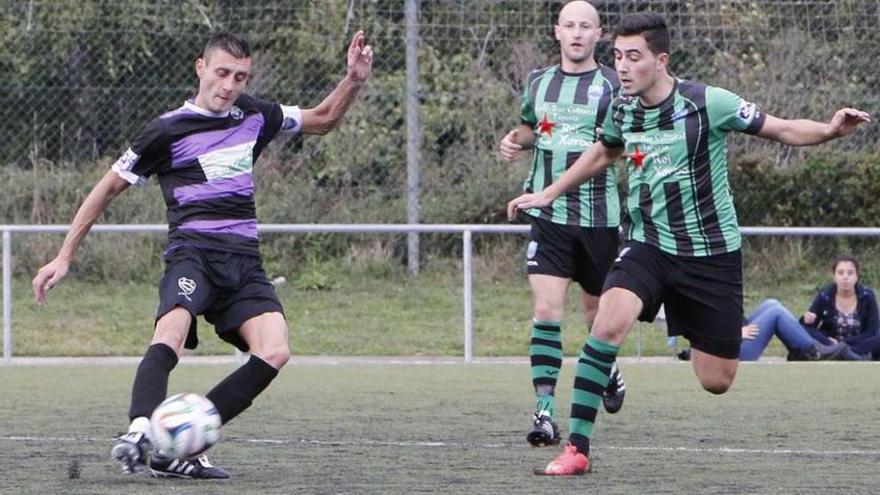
583 254
703 295
227 288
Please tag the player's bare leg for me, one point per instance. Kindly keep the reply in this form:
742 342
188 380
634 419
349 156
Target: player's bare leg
716 374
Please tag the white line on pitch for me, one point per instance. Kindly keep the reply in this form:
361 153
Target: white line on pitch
377 443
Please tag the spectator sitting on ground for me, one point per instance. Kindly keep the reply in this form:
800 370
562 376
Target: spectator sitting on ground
772 318
846 311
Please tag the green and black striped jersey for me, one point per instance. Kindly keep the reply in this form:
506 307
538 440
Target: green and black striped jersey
679 197
564 110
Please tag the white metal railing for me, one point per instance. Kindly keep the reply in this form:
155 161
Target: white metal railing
467 231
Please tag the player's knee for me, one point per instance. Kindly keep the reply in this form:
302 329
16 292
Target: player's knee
607 332
546 311
172 329
276 356
716 388
717 384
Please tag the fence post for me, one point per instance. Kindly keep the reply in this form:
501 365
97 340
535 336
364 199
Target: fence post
413 132
468 303
7 296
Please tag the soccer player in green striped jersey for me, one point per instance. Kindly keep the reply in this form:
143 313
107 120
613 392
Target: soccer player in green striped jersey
683 245
576 237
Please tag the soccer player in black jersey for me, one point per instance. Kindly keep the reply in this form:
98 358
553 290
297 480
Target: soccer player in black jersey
576 238
682 247
202 154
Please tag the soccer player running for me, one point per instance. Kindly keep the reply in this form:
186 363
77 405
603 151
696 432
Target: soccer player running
203 155
576 237
683 246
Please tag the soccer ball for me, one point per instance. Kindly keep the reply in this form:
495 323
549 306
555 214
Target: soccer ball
185 425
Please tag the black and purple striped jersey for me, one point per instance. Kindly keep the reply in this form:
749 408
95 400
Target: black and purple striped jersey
204 164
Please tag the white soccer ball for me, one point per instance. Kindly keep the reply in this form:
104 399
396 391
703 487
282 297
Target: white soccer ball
185 425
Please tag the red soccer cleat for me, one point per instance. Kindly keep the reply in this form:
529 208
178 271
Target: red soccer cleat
569 463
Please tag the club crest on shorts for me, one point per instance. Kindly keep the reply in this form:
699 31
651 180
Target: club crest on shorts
187 287
533 248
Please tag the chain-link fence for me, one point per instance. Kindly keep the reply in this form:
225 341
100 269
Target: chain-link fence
80 77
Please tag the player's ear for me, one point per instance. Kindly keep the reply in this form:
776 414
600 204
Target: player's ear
556 31
200 66
662 61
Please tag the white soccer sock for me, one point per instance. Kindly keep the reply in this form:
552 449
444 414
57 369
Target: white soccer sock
141 425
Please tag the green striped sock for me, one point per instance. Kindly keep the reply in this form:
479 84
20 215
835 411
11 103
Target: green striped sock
545 354
591 378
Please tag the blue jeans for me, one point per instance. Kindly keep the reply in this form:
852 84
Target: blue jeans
772 318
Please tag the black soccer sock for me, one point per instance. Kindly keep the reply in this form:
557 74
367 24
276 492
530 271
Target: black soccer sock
237 391
151 380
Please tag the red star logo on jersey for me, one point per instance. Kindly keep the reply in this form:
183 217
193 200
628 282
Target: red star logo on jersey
545 126
637 157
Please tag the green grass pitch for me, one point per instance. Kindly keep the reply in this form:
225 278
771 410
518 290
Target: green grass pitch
356 427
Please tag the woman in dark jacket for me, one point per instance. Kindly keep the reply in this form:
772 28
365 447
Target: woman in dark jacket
846 311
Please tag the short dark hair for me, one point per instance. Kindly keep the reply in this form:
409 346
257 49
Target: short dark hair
230 43
845 258
651 26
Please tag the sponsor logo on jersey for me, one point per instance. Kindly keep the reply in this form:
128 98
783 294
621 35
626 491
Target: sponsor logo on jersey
228 162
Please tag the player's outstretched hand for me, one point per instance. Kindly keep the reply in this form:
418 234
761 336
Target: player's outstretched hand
360 58
846 120
48 277
526 201
509 148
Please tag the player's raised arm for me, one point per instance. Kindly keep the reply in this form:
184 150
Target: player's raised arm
591 163
92 207
803 132
521 138
326 116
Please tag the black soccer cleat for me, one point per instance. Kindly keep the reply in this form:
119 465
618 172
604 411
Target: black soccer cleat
198 468
614 393
131 451
544 431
